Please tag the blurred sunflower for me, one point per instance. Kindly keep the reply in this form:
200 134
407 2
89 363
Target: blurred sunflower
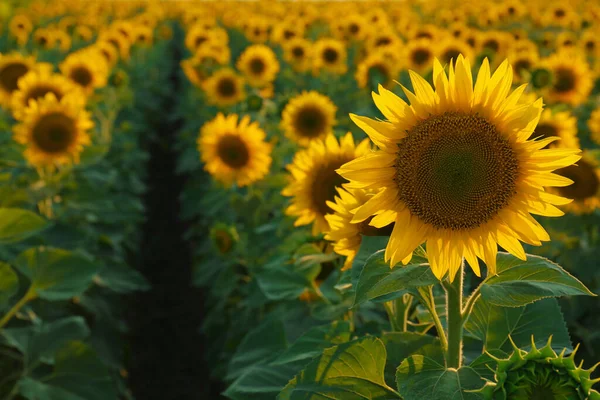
143 35
44 38
329 55
456 169
585 189
297 52
20 26
118 40
450 48
203 64
199 35
594 126
54 132
561 124
62 39
108 51
234 153
494 44
224 88
522 61
287 30
356 27
383 38
83 33
345 235
307 117
14 66
87 68
377 68
589 43
419 55
566 39
313 178
35 85
572 79
259 64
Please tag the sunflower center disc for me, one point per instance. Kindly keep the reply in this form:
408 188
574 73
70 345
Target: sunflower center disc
82 76
323 187
257 66
9 76
421 56
450 54
40 92
585 181
226 87
565 80
54 133
298 52
455 171
233 151
310 122
330 55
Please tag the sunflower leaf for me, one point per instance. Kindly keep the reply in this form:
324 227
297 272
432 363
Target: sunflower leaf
379 282
519 282
17 224
420 377
349 371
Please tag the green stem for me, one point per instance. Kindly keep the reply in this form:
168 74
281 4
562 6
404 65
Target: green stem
454 304
436 319
30 295
389 309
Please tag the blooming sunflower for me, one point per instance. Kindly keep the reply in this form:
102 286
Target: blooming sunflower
202 64
419 55
450 48
585 189
314 179
523 62
572 78
232 152
117 39
34 86
87 68
308 116
44 37
561 124
20 27
329 55
83 33
13 67
356 27
456 169
377 66
108 51
54 132
259 65
345 234
224 88
297 52
594 125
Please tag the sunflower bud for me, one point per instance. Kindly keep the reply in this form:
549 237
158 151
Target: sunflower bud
254 102
540 374
224 237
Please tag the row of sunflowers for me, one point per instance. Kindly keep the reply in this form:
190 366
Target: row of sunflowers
360 184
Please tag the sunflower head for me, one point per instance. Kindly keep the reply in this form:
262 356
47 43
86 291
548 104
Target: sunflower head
558 124
298 52
419 54
259 65
232 152
329 55
308 116
456 168
224 88
13 67
377 68
594 125
54 132
314 179
86 68
572 78
585 189
540 374
224 237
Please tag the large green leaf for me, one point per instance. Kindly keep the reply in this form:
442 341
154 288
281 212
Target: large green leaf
282 283
262 381
349 371
41 342
420 377
259 345
313 342
368 246
56 274
9 284
377 279
493 324
400 345
519 282
17 224
121 278
32 389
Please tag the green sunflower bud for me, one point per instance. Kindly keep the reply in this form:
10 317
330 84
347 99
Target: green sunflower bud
224 237
541 78
254 102
119 78
540 374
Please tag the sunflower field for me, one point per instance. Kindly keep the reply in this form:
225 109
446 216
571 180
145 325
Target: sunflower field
299 200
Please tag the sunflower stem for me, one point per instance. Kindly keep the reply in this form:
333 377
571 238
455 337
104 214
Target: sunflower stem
454 308
30 295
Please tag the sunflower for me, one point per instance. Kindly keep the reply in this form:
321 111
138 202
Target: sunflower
561 124
566 39
430 32
13 67
83 33
108 51
234 153
377 66
201 66
313 178
118 40
199 36
259 65
585 189
62 40
224 88
329 55
589 43
383 38
143 35
308 116
495 44
20 27
297 52
594 125
87 68
287 30
54 132
419 55
572 78
450 48
356 27
345 234
561 14
44 37
456 169
522 61
35 85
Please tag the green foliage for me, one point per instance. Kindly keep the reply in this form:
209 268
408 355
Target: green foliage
17 224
